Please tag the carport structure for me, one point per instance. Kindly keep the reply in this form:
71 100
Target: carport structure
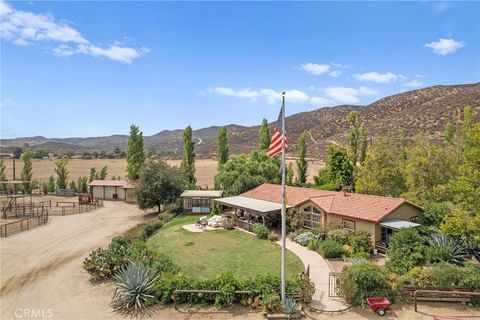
245 212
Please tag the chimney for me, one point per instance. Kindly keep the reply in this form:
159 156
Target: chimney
345 191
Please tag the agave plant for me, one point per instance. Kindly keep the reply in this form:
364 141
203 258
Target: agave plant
134 288
447 249
290 306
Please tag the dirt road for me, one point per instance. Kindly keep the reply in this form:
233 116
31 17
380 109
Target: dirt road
41 269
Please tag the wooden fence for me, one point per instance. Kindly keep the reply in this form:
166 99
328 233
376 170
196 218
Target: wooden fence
23 224
443 295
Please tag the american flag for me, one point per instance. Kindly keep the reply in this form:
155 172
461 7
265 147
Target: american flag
276 142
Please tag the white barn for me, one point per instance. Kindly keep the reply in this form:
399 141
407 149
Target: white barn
109 189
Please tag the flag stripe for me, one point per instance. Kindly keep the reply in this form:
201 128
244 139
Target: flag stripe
278 136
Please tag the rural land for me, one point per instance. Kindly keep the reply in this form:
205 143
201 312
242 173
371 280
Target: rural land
249 160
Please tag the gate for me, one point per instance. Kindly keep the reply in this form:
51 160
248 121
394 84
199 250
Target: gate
333 281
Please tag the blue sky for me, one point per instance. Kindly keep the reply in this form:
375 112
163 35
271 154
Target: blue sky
73 69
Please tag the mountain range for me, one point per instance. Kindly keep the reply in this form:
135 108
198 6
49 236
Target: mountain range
422 110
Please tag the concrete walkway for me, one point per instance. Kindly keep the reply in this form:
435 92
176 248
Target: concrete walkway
319 271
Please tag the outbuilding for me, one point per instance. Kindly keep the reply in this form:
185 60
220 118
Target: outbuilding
108 189
199 201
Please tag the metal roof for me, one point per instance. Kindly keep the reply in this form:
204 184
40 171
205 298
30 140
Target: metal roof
398 224
202 193
250 204
108 183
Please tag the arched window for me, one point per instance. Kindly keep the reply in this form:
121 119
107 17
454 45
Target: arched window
312 218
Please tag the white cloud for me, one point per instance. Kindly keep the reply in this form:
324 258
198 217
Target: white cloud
335 73
319 101
377 77
367 91
445 46
7 102
334 70
415 83
343 94
314 68
441 6
269 95
23 28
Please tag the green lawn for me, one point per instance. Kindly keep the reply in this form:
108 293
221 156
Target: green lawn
206 254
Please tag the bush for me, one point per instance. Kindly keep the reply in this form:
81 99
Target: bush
443 248
360 241
134 290
273 236
363 280
261 231
213 211
103 263
304 238
271 303
313 245
347 250
227 224
330 249
338 235
406 250
151 229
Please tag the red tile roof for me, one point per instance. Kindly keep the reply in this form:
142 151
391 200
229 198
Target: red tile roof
108 183
353 205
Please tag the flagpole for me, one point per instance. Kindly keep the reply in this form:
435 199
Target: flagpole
284 213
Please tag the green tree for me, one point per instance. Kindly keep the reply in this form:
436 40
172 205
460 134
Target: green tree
45 187
338 171
363 145
241 173
264 135
448 133
62 172
354 133
461 224
3 174
27 171
466 186
93 175
383 172
222 143
158 184
188 161
302 164
406 250
135 153
102 175
51 184
289 175
72 185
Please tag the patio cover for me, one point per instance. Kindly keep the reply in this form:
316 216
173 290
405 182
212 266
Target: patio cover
398 224
251 204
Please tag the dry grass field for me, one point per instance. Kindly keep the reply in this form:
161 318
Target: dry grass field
206 168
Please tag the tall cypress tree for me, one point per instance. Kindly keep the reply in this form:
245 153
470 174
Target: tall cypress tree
27 170
135 153
62 172
222 143
352 117
188 161
264 135
363 145
302 164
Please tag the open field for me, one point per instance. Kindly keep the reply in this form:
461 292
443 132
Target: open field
206 254
205 168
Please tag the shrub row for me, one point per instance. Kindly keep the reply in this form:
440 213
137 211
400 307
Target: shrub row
365 279
262 288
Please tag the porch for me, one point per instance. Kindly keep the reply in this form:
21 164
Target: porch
387 229
244 212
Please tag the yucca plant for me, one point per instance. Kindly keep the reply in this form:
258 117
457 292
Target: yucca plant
444 248
134 288
290 306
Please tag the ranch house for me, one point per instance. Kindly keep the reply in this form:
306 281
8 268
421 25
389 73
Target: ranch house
199 201
380 216
113 190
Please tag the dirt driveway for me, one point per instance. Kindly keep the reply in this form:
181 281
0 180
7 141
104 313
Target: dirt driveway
41 269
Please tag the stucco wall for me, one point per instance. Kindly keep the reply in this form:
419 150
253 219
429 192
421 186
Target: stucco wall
359 224
109 191
405 212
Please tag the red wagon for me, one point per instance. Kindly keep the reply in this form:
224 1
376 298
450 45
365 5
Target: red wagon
378 305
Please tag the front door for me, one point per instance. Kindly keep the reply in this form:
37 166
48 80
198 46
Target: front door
385 236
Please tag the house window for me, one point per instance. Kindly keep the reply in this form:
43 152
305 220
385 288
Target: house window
348 225
200 202
312 218
414 219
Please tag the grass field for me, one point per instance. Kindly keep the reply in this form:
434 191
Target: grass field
205 168
206 254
